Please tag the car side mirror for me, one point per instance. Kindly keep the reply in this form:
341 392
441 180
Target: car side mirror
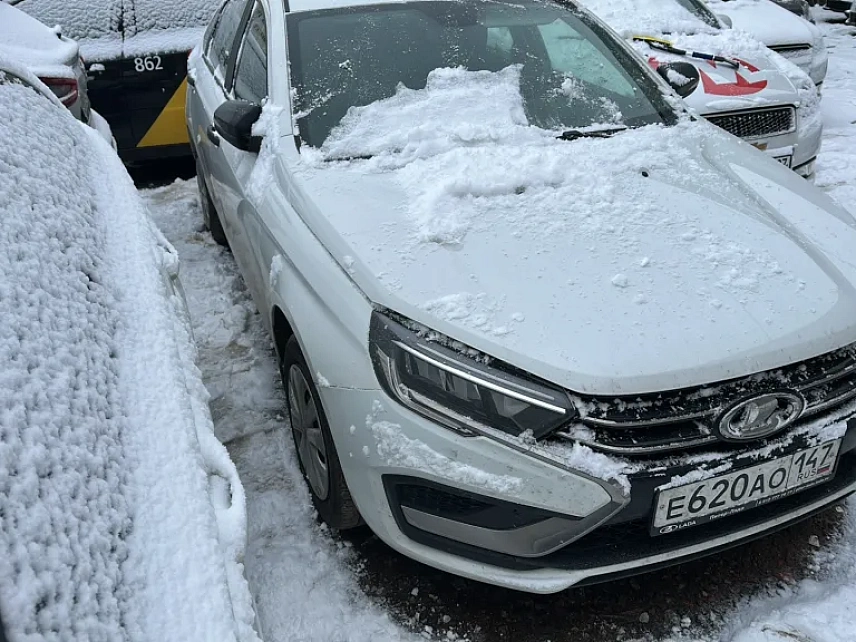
234 121
726 20
683 77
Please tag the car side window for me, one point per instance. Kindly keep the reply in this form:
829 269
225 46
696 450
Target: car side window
251 69
209 31
223 37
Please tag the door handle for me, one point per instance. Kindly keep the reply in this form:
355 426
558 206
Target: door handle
213 136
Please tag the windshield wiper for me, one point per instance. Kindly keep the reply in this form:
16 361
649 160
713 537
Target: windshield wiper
574 134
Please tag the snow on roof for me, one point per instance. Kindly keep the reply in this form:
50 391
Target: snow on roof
121 516
115 28
32 43
648 17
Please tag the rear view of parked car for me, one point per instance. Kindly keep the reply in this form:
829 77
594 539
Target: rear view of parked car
136 58
51 56
538 323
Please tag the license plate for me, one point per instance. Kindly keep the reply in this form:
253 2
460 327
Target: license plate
717 497
784 160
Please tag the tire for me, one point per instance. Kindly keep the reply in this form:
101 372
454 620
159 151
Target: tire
310 430
209 212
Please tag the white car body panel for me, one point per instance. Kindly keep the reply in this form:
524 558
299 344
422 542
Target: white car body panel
404 280
303 252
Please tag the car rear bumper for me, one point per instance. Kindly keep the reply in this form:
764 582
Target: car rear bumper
478 508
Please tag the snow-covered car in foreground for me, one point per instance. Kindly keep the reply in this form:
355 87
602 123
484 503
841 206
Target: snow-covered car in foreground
728 77
781 30
136 57
121 515
538 324
52 57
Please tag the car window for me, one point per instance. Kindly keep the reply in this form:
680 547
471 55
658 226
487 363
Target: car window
223 38
577 58
251 68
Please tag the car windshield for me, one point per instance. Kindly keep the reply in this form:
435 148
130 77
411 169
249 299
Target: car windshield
572 73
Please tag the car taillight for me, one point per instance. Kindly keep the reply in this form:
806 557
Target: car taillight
63 88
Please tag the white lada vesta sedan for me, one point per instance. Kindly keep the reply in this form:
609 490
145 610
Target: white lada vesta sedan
538 325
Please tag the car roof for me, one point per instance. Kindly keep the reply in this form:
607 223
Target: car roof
92 19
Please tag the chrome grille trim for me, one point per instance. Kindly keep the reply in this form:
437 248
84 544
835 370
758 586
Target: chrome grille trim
606 423
652 450
680 420
757 123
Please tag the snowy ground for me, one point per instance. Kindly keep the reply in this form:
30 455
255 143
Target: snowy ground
794 586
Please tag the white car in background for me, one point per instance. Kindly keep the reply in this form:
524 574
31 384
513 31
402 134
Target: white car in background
726 76
538 324
54 59
784 32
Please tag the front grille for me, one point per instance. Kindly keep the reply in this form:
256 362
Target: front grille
682 420
756 123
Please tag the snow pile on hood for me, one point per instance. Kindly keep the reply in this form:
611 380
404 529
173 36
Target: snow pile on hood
121 516
456 108
473 158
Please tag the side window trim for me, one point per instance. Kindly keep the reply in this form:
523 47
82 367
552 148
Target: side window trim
209 37
237 44
230 91
209 31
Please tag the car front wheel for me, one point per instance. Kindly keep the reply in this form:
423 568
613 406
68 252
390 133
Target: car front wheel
316 452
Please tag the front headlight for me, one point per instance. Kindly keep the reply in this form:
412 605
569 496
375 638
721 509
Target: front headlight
458 391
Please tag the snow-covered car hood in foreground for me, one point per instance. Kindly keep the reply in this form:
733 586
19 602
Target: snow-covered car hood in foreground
34 45
659 258
121 515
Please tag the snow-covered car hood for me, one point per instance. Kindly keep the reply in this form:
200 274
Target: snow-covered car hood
767 21
759 81
720 87
660 258
28 41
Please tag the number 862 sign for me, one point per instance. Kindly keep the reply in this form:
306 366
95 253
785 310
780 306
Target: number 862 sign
149 63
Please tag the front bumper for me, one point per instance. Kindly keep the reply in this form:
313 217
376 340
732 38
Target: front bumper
485 510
